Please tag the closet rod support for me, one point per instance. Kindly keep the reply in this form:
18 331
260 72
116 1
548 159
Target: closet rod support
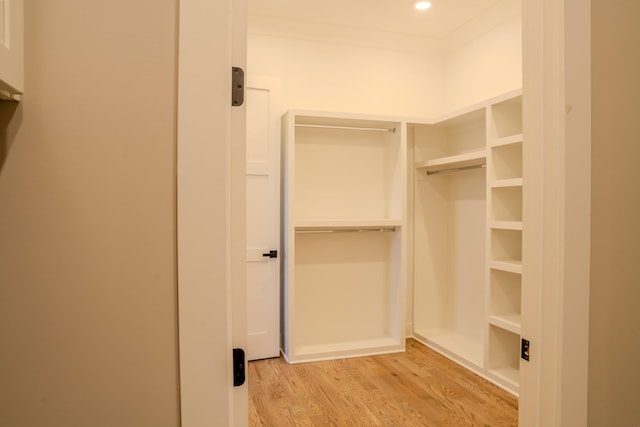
392 130
462 168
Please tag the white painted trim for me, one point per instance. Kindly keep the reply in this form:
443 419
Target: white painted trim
533 108
556 208
236 238
203 223
576 110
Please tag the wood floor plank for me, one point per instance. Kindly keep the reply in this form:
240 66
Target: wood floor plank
412 389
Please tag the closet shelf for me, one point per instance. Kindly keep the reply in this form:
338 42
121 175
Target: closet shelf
506 225
507 140
512 182
507 321
511 266
475 158
316 352
508 374
345 224
452 344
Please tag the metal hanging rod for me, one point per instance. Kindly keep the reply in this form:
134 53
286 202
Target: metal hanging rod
392 130
462 168
348 230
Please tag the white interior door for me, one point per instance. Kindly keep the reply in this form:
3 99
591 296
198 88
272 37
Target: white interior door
263 218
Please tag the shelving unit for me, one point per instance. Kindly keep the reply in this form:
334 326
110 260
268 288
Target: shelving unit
504 240
345 216
467 228
347 235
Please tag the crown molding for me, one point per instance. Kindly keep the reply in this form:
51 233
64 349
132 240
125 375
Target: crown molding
287 28
498 14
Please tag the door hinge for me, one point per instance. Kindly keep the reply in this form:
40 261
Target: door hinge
524 349
237 87
238 367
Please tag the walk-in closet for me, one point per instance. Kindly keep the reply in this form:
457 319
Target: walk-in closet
402 178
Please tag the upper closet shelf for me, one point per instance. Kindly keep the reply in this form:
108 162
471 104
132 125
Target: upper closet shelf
332 225
506 225
508 321
503 183
512 266
459 161
507 140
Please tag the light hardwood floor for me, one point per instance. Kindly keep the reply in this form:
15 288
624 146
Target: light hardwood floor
416 388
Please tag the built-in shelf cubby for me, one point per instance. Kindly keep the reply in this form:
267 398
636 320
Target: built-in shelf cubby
506 118
506 203
507 161
503 359
506 245
505 302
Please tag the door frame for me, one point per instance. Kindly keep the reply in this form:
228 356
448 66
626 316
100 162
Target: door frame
210 212
557 206
557 170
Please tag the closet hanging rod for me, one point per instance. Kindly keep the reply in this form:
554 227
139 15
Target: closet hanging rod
348 230
462 168
301 125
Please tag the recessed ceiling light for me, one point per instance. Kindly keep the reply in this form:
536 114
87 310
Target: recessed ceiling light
422 5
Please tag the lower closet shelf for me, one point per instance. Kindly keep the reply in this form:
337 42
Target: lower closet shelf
509 375
453 345
312 353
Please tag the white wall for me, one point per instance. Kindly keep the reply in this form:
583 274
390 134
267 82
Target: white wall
485 67
334 76
324 68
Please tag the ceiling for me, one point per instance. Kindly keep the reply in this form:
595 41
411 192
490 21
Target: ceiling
395 16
